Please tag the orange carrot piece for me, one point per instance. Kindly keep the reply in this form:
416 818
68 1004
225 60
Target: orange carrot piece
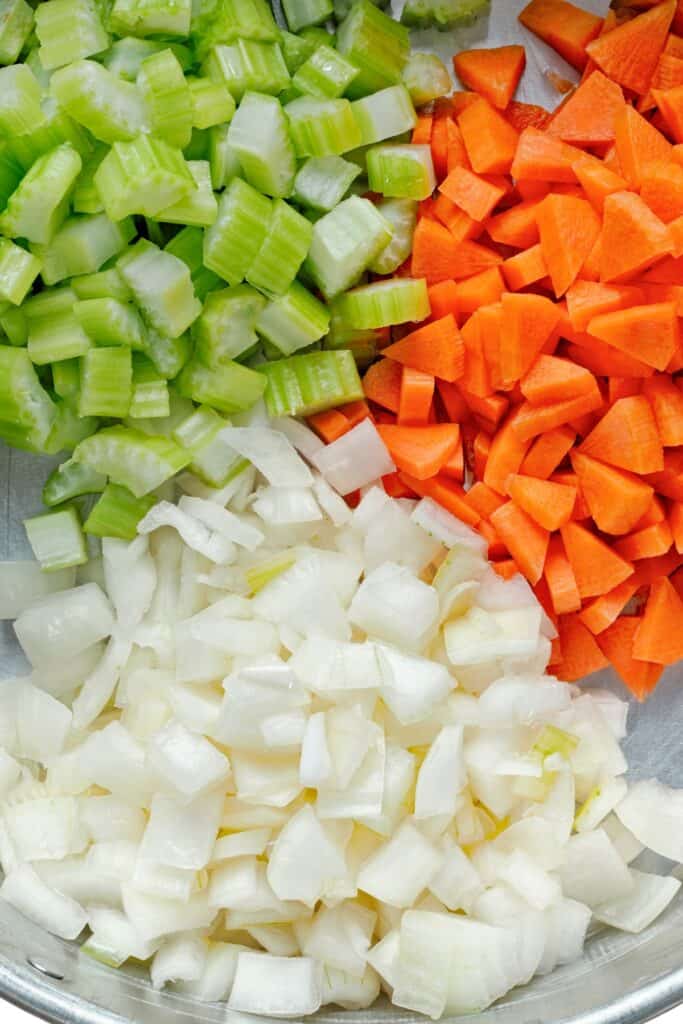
676 233
662 190
329 425
505 569
483 499
445 492
528 322
616 642
669 480
547 453
599 614
668 75
604 361
476 378
496 547
534 420
630 53
417 393
623 387
526 115
555 380
667 271
480 453
569 479
526 541
639 146
456 154
670 103
540 158
598 181
443 299
505 456
483 289
483 331
667 405
655 513
395 487
588 299
515 227
439 144
676 525
649 333
597 568
627 437
569 228
489 139
651 542
617 500
438 256
492 73
488 411
474 194
525 268
459 223
581 655
436 349
422 132
587 117
560 578
659 637
632 239
382 384
566 28
422 451
455 467
549 504
453 402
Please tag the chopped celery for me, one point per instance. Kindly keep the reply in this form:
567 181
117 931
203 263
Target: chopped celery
149 399
52 130
226 328
363 345
107 284
15 326
39 204
169 355
294 320
69 429
345 242
11 173
212 103
167 95
125 56
234 239
110 322
259 136
56 337
163 426
67 31
135 460
71 480
385 114
18 271
188 246
325 74
397 171
248 65
151 17
85 197
300 13
145 176
223 159
552 740
106 382
318 35
262 573
323 181
57 539
322 127
283 250
213 461
16 22
66 377
443 14
200 426
376 44
227 386
49 302
117 513
82 245
402 215
304 384
224 21
20 95
384 303
109 107
33 62
199 207
27 412
162 287
426 78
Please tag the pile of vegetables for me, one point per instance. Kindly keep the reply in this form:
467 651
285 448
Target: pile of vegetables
290 755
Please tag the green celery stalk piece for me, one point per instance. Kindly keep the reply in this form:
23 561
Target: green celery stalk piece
66 378
443 15
305 384
162 288
401 214
132 459
233 241
188 246
109 107
151 17
82 245
225 21
56 337
167 97
426 78
385 303
18 271
226 328
301 13
248 66
106 382
150 397
69 30
51 131
16 23
228 386
144 176
344 243
283 250
20 96
39 204
71 480
212 103
223 159
199 208
125 56
27 412
57 540
105 284
117 513
294 320
376 44
69 429
259 136
323 181
325 74
111 322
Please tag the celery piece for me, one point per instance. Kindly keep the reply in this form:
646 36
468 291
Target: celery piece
151 17
20 95
26 410
49 302
325 74
385 114
376 44
296 50
15 326
200 145
106 382
38 206
304 384
188 246
318 35
283 251
33 63
363 345
167 96
198 208
322 127
212 103
443 14
385 303
169 355
227 386
213 461
68 30
110 322
553 740
16 22
125 56
402 215
109 107
57 538
106 284
117 513
56 337
323 181
71 480
267 570
162 287
226 327
225 21
11 173
198 428
150 391
234 239
401 171
259 136
300 13
223 159
18 271
85 197
82 245
52 130
294 320
345 242
248 65
426 78
66 378
69 429
144 176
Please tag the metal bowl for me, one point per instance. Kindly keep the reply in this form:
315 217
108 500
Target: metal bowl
621 979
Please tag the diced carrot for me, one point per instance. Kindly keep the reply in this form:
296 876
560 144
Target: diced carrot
588 299
555 380
417 392
459 223
483 289
599 614
422 132
676 525
616 643
652 542
476 378
532 420
471 192
526 541
443 299
659 637
668 271
627 437
581 655
667 405
669 480
459 101
649 333
547 452
489 410
455 405
605 361
395 487
436 349
438 256
496 547
598 181
623 387
588 116
517 226
568 29
560 578
664 293
505 457
539 157
597 568
549 504
456 154
655 513
421 451
649 570
526 115
439 145
662 190
569 228
455 467
480 454
630 53
528 321
483 499
676 233
633 238
668 75
639 145
670 103
445 492
525 268
617 500
570 479
329 425
505 569
492 73
490 140
382 384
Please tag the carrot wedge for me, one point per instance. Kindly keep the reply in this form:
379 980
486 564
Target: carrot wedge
549 504
569 228
659 637
630 53
547 452
581 655
588 299
565 27
599 614
421 452
639 146
616 643
617 500
436 349
445 492
417 393
505 456
667 405
596 567
526 541
587 117
650 333
492 73
555 380
489 139
627 437
528 322
382 384
632 238
559 575
531 421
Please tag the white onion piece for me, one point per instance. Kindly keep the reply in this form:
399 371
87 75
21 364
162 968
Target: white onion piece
46 829
22 583
221 520
182 835
215 981
276 986
346 990
130 577
306 442
593 872
521 701
153 916
181 958
279 506
457 883
481 636
625 843
98 688
114 939
356 459
443 526
330 502
49 909
193 532
653 812
271 453
340 937
442 775
315 767
61 626
250 843
634 912
114 760
606 796
107 817
304 862
401 869
186 762
399 778
81 881
42 724
10 772
566 926
393 605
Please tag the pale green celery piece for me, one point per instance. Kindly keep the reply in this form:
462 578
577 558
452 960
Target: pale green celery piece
16 22
15 326
163 426
27 412
325 74
426 78
259 136
162 287
71 480
264 572
106 382
294 320
283 251
132 459
144 176
225 21
345 242
305 384
323 181
85 197
18 271
188 246
57 539
167 96
377 45
385 303
56 337
296 50
199 208
106 284
151 17
20 95
32 61
55 128
109 107
226 328
125 56
82 245
150 397
39 204
301 13
224 163
69 428
117 514
248 65
322 127
555 741
49 302
214 461
234 239
364 345
200 145
69 30
228 386
11 173
200 427
384 114
318 35
212 103
443 14
111 322
66 378
397 171
169 355
402 215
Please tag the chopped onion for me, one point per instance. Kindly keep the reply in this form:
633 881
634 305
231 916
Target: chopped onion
276 986
22 583
653 812
356 459
271 453
26 892
634 912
